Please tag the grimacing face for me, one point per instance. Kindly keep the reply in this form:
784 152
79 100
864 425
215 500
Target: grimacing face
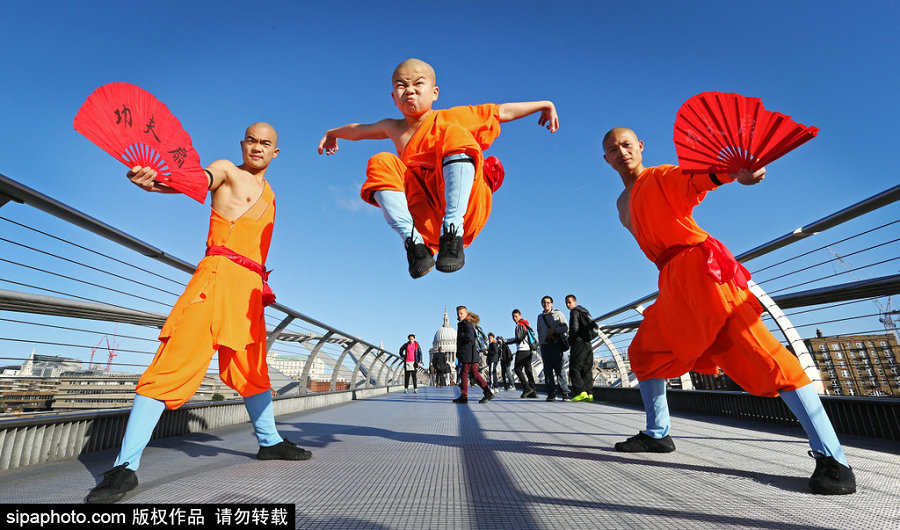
414 90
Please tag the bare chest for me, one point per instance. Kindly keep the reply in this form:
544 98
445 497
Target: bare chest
622 204
234 201
401 141
401 134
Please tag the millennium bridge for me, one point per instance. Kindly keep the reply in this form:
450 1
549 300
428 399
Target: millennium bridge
385 459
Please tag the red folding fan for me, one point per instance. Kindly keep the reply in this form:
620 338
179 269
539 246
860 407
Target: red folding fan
129 123
723 133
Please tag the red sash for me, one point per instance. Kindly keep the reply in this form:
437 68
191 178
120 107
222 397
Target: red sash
720 263
268 297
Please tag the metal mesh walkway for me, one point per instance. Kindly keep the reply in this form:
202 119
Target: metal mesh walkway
420 461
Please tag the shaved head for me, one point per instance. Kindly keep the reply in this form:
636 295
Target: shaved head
262 127
615 131
412 64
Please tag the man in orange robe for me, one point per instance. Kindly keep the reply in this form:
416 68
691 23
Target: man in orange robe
705 317
221 310
433 192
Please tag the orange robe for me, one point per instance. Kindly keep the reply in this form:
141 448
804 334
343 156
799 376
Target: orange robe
698 323
468 130
221 309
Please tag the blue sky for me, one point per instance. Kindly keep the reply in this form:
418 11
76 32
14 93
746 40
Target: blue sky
306 67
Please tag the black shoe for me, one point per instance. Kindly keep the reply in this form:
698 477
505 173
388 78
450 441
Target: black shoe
831 477
116 483
285 450
551 398
488 395
419 257
450 251
525 393
532 393
641 443
461 399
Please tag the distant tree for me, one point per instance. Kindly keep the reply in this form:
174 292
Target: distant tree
218 397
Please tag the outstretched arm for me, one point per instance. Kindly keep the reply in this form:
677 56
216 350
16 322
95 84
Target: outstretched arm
714 180
514 111
218 172
353 131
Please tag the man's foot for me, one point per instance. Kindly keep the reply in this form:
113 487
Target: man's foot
415 390
406 391
419 257
551 398
285 450
831 477
461 399
116 483
451 256
641 443
525 393
590 398
580 397
564 397
488 395
531 394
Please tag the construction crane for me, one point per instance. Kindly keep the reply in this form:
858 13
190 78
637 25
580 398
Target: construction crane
885 314
93 350
112 350
887 318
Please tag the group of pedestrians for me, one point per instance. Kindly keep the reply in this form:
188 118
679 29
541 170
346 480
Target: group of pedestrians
555 335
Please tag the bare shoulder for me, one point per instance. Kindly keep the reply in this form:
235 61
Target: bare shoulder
225 168
394 128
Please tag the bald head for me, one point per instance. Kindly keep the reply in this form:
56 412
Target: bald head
262 128
412 64
615 132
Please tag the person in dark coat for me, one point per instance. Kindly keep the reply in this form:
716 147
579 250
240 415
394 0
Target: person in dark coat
468 357
581 357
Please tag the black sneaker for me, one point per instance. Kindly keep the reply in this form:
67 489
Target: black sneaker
461 399
116 483
285 450
525 393
551 398
532 394
419 257
831 477
488 395
450 251
641 443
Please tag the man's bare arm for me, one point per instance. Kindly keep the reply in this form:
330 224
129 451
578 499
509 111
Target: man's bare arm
218 172
354 131
514 111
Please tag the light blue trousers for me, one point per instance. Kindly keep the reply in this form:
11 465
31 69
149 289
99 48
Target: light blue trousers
459 177
803 402
145 413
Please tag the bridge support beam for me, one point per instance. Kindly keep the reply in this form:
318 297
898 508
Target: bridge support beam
790 333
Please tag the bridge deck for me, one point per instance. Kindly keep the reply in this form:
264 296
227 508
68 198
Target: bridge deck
419 461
